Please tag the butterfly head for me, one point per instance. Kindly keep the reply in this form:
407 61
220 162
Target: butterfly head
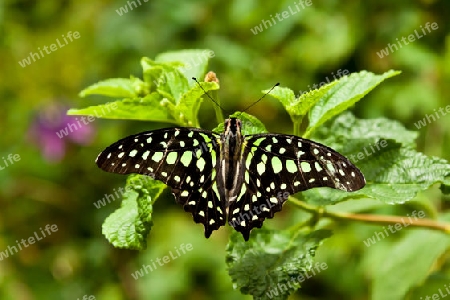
232 123
233 127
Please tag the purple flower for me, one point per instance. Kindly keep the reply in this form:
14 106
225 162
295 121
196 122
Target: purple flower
52 130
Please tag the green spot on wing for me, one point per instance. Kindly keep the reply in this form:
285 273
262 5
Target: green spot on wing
157 156
258 141
145 155
277 165
318 167
171 158
205 137
186 158
201 163
261 168
248 161
306 167
330 167
291 166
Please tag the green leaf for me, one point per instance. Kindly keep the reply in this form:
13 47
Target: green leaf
345 93
285 95
434 284
128 226
175 83
189 104
166 78
250 124
193 62
297 108
394 175
117 88
382 149
346 127
272 264
445 186
410 261
171 72
152 73
171 99
150 108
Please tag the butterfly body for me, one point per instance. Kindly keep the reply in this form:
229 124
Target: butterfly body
229 176
230 160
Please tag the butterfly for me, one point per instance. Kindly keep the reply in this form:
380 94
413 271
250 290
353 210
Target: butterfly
242 179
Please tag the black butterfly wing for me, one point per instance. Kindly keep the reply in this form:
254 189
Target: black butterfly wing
185 159
275 166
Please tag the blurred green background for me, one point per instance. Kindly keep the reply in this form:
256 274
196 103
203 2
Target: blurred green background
56 180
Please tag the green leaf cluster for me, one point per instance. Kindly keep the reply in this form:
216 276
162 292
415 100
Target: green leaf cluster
273 264
383 149
129 226
164 94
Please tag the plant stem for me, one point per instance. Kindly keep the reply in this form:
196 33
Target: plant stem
219 115
297 124
374 219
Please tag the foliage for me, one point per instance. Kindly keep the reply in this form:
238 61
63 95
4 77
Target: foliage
129 225
272 259
57 182
394 171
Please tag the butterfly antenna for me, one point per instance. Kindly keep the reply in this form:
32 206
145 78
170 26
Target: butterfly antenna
206 93
277 84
